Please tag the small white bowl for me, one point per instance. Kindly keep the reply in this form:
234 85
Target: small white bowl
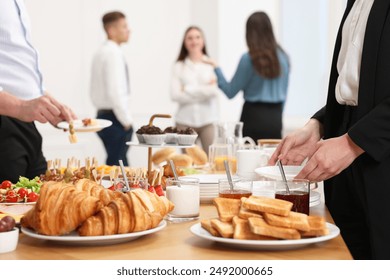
154 139
9 240
186 139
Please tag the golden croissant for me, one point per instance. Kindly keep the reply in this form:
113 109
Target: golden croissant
137 210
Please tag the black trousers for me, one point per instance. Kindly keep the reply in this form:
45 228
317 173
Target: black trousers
346 200
114 138
262 120
20 150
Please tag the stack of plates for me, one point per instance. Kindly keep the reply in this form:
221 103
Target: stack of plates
208 186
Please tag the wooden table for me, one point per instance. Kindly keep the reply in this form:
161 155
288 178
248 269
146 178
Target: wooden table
175 242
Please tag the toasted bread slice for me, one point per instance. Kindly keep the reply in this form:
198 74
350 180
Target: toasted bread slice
295 220
317 227
243 231
225 229
206 224
260 226
246 213
227 208
268 205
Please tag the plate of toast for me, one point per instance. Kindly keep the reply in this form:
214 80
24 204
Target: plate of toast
74 239
285 244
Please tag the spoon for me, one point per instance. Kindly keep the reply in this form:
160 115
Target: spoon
279 163
127 187
229 176
174 172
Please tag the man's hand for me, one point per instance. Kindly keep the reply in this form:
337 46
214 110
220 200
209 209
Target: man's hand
44 109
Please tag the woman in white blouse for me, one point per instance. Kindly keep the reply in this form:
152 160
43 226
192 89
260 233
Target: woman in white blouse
194 87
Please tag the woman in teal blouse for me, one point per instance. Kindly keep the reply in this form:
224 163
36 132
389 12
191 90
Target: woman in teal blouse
262 75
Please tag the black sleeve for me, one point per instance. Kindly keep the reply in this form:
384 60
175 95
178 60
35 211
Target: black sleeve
320 115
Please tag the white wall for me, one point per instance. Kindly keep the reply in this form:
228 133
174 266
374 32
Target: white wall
68 32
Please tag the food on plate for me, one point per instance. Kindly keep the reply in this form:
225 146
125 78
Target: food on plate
72 134
7 223
227 208
206 224
170 129
153 130
225 229
171 133
25 190
269 205
317 227
137 210
234 216
163 155
198 155
187 131
181 160
260 226
63 207
89 122
294 220
243 231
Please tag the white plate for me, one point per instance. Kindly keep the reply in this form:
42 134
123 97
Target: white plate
266 244
79 126
16 203
273 172
209 179
157 146
74 239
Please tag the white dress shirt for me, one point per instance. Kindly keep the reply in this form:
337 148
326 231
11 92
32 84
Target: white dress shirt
196 96
109 87
350 56
19 70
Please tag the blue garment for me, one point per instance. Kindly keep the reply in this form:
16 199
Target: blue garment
114 139
255 87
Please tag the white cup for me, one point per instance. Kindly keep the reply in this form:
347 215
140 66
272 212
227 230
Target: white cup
249 160
184 194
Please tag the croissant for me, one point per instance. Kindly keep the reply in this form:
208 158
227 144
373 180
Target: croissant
60 209
134 211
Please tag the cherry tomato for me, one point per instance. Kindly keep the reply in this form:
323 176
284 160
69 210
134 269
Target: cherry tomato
32 197
22 192
112 188
6 184
11 196
159 190
151 189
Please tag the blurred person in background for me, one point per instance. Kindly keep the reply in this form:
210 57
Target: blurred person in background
194 87
23 99
110 88
262 74
347 142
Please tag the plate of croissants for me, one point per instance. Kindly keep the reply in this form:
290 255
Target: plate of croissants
75 239
86 213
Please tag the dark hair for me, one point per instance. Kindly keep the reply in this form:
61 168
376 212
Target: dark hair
111 17
262 45
183 51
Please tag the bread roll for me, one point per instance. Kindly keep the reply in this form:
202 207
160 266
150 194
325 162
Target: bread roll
182 160
163 155
198 155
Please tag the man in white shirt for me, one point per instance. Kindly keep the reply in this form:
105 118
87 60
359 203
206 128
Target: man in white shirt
22 97
110 90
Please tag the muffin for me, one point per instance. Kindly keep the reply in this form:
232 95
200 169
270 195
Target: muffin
153 135
171 133
187 136
139 133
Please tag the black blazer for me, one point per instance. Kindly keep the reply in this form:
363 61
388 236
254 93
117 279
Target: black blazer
371 131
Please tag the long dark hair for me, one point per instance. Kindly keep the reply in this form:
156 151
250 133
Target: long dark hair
262 45
183 51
